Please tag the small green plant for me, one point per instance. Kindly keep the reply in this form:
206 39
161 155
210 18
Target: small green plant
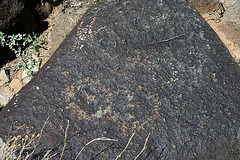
19 42
36 42
95 2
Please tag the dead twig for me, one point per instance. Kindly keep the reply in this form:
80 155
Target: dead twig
166 40
65 140
144 147
96 139
39 138
126 146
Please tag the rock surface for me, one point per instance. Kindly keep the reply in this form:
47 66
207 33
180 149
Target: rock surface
4 78
15 85
204 6
231 22
2 146
5 96
145 67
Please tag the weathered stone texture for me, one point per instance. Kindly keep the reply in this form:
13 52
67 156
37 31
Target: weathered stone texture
204 6
230 23
4 78
151 67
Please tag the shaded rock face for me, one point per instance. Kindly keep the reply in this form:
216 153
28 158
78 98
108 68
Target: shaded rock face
12 17
146 67
21 16
6 55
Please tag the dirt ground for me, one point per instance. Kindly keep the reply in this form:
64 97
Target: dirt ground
61 22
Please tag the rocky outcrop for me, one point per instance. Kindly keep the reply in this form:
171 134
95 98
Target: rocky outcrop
69 14
204 6
230 23
150 74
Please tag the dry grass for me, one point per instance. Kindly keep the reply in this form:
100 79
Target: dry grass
23 148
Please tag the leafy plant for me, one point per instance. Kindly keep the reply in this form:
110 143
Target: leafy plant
96 1
19 42
36 42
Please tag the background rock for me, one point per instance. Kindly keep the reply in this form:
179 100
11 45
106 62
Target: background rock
4 78
16 18
23 16
69 13
15 85
204 6
231 22
6 55
2 146
5 95
134 67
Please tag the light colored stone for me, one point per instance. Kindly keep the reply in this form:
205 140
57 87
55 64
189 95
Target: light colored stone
34 63
4 78
25 77
35 68
37 59
26 80
5 96
24 74
16 85
204 6
230 23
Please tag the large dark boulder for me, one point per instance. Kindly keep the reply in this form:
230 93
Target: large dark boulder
146 67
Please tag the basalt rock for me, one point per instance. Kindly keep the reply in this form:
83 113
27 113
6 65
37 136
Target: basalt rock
151 67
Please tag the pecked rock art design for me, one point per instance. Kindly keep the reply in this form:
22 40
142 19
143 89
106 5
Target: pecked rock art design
150 74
